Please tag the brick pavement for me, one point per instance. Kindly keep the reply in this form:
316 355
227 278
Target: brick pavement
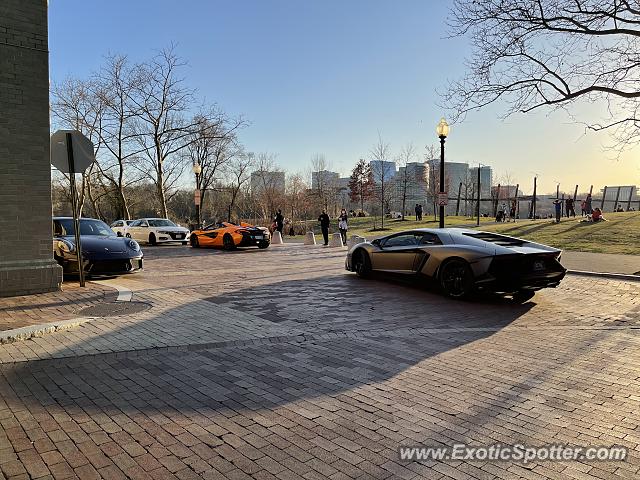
24 311
278 364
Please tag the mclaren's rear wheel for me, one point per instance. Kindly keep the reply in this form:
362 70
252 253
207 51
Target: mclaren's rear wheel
456 278
361 263
194 241
227 242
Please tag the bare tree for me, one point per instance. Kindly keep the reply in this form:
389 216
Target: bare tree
406 179
431 154
161 128
551 53
115 85
75 106
213 143
324 186
238 170
266 184
382 174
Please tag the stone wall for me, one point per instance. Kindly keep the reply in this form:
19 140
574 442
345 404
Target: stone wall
26 257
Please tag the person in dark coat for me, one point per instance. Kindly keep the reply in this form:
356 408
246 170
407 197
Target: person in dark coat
279 221
324 226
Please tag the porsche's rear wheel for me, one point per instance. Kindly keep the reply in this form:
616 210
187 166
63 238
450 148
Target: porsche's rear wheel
152 239
227 242
456 278
361 263
194 241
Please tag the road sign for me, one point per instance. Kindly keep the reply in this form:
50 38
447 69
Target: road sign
196 197
83 154
443 199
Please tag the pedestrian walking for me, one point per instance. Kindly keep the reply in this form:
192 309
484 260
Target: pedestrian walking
279 221
512 211
558 204
343 225
583 207
417 214
324 226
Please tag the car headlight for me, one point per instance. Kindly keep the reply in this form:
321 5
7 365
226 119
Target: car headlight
66 246
133 245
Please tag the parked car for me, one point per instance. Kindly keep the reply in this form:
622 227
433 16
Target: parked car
462 260
103 252
157 230
229 236
120 227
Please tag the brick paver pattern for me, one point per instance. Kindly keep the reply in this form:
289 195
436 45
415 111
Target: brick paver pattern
24 311
278 364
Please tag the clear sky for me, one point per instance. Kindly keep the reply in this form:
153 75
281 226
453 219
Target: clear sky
325 76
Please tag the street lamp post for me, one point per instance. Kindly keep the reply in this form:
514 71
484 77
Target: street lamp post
442 130
197 169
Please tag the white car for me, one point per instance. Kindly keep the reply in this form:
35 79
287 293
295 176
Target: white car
120 227
157 230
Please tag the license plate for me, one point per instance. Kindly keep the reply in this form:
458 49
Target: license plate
258 237
181 235
537 266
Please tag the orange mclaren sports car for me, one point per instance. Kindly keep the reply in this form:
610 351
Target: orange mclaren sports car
229 236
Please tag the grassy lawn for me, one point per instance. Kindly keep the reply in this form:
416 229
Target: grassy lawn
620 234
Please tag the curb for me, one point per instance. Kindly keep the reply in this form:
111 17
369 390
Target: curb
124 294
615 276
25 333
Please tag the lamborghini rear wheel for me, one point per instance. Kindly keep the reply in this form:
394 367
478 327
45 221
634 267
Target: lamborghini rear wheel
227 242
456 278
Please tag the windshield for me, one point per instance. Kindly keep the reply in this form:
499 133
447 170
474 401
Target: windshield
161 223
63 227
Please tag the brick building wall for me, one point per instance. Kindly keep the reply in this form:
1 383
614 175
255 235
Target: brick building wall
26 258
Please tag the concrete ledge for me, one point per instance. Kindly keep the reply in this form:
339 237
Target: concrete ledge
25 333
614 276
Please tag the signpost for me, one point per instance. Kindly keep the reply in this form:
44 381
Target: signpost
72 152
443 199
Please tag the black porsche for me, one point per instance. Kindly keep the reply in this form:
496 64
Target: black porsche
103 252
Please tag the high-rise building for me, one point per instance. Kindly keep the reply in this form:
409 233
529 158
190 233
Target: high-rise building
486 180
382 170
265 180
323 179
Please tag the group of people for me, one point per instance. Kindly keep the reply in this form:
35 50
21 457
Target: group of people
325 222
505 214
586 207
343 225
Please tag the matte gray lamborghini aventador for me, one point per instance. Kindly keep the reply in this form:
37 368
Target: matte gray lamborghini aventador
462 260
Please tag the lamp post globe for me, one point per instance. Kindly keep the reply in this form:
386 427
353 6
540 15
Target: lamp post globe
442 130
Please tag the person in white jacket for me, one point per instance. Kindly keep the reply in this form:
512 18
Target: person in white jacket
342 225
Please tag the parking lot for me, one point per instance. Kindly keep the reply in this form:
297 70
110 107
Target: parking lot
280 364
